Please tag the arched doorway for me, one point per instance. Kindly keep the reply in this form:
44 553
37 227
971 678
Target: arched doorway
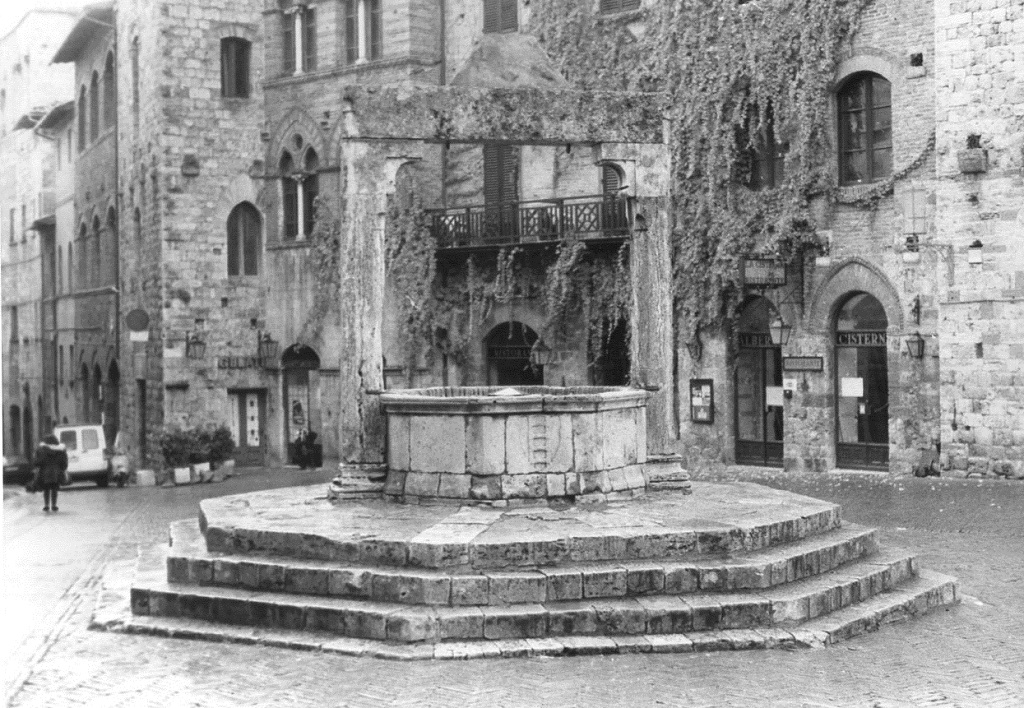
861 384
300 366
507 348
758 388
611 362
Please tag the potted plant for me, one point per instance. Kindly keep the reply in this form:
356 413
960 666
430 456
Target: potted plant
176 446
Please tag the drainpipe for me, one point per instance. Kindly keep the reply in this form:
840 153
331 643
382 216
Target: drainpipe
443 44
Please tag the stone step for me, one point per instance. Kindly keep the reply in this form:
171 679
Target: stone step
189 562
919 595
714 520
656 614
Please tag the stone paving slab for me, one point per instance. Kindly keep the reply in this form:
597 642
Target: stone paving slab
715 519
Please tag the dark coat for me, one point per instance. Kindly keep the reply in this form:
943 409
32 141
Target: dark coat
51 461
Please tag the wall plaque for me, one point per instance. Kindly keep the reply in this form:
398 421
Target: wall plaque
763 272
702 400
803 363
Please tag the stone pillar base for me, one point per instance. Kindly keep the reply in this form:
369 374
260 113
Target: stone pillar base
357 481
666 472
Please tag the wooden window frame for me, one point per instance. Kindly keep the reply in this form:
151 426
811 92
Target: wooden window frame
245 228
235 61
872 113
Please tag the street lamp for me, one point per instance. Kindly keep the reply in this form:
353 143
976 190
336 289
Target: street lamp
266 350
779 332
915 345
541 354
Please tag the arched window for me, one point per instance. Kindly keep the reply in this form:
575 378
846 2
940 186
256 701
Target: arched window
245 227
234 67
82 109
310 188
289 198
109 93
94 106
865 129
298 24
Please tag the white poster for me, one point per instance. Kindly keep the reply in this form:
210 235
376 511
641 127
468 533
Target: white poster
851 387
773 396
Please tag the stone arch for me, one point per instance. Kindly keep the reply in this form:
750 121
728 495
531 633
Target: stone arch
296 121
223 30
875 61
848 276
242 188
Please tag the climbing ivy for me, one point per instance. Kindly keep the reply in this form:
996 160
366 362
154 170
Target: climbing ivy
324 255
730 72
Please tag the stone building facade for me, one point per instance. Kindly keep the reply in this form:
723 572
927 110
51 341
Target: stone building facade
874 400
246 131
30 91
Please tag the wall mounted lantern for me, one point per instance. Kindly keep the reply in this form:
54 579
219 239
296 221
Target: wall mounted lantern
195 347
974 252
267 350
779 332
541 354
915 345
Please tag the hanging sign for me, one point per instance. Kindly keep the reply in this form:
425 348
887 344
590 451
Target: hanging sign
702 400
763 272
861 339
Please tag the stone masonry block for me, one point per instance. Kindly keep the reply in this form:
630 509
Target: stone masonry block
485 445
485 487
516 588
469 589
422 484
563 584
523 486
398 443
622 617
519 622
307 581
225 572
588 450
556 485
437 444
349 582
681 579
604 582
411 588
666 615
412 626
571 618
645 580
395 483
517 451
460 623
454 486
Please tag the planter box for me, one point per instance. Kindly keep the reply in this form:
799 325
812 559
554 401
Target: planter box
182 475
145 478
201 472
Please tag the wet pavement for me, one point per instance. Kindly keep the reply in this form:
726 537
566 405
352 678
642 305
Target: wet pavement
970 655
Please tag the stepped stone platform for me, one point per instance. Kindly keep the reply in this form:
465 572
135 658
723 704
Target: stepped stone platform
730 566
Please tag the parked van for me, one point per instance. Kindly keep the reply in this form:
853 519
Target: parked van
87 452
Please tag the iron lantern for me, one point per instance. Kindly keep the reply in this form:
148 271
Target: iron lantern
915 345
779 332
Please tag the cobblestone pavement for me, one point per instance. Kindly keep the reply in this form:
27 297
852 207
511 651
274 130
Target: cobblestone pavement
970 655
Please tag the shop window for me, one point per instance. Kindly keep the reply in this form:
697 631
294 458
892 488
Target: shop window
109 93
234 67
298 24
363 30
865 129
94 107
245 228
500 16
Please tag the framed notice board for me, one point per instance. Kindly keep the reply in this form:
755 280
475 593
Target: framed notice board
702 401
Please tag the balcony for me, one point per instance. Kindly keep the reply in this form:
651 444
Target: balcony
540 222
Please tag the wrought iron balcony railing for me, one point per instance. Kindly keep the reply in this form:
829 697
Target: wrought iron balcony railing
534 222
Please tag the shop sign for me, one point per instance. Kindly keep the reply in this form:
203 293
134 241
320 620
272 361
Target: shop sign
239 362
763 272
803 363
861 339
750 340
508 352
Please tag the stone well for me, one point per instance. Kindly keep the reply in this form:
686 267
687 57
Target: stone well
496 445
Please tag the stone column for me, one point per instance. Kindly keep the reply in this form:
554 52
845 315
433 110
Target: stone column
368 176
652 324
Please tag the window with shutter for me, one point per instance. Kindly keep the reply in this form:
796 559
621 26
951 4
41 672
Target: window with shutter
352 31
288 43
245 228
501 16
308 39
611 180
94 106
376 30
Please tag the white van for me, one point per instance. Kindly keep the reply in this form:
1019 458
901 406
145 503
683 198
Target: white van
87 452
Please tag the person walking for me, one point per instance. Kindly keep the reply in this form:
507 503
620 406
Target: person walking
51 464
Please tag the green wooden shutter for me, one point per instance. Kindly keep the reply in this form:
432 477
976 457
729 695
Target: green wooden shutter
492 16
